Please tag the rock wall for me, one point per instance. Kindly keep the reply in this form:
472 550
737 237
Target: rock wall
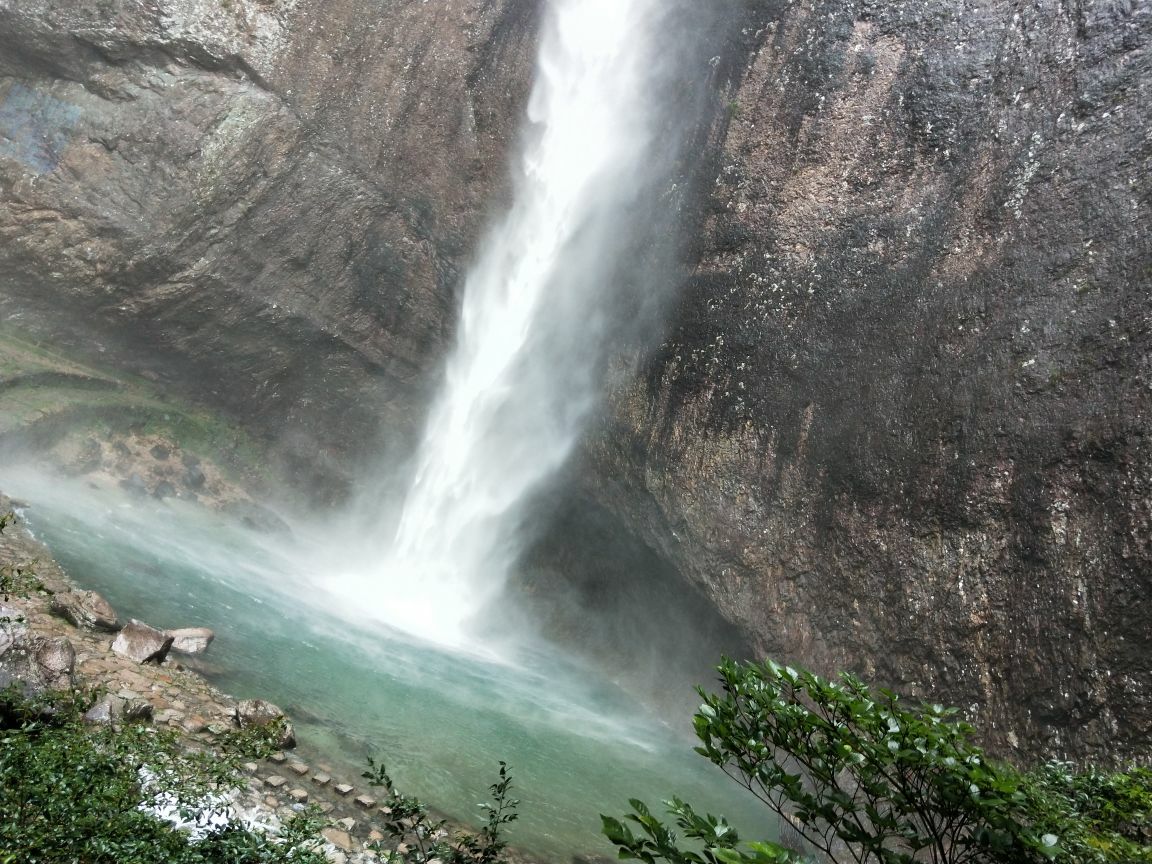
901 424
265 202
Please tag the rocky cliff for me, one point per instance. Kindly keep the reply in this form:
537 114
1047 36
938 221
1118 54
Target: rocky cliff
899 423
263 201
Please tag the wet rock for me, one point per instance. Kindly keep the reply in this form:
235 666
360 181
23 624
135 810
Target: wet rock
275 781
88 458
191 640
300 796
343 789
194 478
86 610
258 518
321 779
365 802
135 485
164 489
161 452
257 712
140 642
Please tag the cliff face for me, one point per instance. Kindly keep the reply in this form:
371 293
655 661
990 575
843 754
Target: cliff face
901 423
265 201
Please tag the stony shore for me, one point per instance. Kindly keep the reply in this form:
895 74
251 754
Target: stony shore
171 695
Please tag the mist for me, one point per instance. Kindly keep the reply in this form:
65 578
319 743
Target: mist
577 271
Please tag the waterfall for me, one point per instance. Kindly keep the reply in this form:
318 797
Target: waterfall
536 314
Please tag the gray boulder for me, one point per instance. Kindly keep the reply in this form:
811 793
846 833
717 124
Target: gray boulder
191 640
34 663
257 712
114 709
140 642
86 610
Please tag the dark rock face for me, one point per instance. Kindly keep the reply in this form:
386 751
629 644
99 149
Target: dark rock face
901 423
263 202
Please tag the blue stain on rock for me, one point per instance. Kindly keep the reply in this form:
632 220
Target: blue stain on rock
35 128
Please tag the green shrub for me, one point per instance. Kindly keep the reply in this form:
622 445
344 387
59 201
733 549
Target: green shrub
69 792
862 777
1100 816
410 825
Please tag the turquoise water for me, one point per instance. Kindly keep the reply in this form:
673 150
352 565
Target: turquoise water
440 720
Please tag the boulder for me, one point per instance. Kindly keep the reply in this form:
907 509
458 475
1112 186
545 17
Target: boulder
134 484
86 610
194 477
11 625
142 643
257 712
113 709
35 663
56 659
191 640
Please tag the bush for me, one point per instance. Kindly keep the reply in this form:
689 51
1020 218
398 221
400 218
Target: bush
409 824
70 793
861 777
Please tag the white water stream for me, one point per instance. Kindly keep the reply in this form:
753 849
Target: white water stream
523 375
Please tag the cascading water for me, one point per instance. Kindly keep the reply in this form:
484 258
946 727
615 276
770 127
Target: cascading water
522 378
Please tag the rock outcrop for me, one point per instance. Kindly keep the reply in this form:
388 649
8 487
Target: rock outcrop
273 194
86 610
901 422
